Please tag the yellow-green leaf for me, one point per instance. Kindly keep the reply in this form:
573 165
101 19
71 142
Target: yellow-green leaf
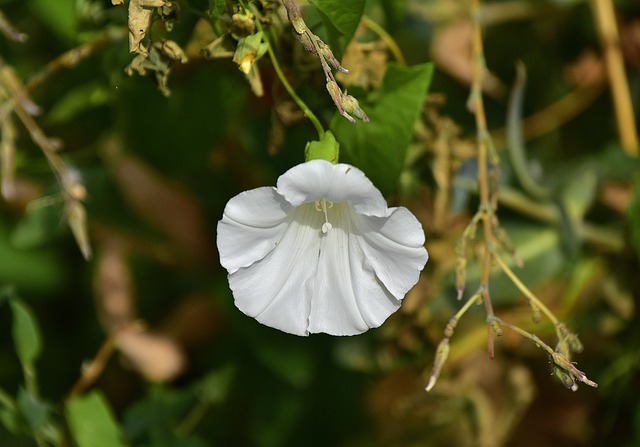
92 423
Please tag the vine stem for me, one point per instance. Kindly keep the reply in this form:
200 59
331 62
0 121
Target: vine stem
276 65
73 57
476 105
534 338
93 370
467 305
529 294
386 38
605 18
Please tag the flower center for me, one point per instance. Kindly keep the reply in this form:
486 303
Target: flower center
323 205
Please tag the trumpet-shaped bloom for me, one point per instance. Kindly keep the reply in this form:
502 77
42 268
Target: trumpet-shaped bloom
320 252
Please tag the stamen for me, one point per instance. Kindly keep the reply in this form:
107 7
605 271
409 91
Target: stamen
321 205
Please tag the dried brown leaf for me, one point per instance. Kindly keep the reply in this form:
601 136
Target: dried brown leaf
155 356
451 51
630 42
76 217
113 285
140 12
367 62
587 71
193 321
165 205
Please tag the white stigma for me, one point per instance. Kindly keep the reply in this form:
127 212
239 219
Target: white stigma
321 205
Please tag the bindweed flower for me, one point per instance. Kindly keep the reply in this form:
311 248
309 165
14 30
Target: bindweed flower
320 252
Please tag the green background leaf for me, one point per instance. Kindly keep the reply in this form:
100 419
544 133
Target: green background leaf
26 335
60 16
341 19
33 409
216 8
633 216
379 147
91 422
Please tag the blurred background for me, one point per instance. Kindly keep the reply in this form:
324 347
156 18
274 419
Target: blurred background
117 326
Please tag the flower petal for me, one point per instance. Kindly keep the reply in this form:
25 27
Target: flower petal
393 246
277 289
320 179
252 225
348 298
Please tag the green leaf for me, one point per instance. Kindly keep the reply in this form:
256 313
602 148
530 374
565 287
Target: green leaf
580 191
394 11
215 386
78 100
633 216
341 19
59 15
379 147
540 249
10 420
26 335
39 225
91 422
217 8
292 363
33 410
157 415
30 270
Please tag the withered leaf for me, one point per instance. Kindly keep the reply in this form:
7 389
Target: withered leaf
156 357
140 12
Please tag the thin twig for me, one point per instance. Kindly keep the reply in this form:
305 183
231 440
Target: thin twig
386 38
9 31
529 294
476 105
94 369
276 65
555 115
73 57
605 18
607 238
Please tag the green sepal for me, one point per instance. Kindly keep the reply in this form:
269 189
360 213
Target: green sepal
250 49
325 149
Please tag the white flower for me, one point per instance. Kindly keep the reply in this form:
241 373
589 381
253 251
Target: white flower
321 252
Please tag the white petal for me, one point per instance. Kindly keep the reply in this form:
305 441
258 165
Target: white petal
320 179
252 225
277 290
393 246
348 298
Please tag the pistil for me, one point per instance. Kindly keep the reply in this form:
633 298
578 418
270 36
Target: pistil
322 205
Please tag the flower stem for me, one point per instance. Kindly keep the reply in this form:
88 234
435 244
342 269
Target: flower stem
467 305
94 369
386 38
7 401
534 338
276 65
605 17
529 294
476 106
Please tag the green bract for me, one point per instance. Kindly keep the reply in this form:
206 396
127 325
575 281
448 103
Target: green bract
325 149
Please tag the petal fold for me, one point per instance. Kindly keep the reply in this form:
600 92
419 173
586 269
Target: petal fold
320 179
277 289
393 247
252 225
348 298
